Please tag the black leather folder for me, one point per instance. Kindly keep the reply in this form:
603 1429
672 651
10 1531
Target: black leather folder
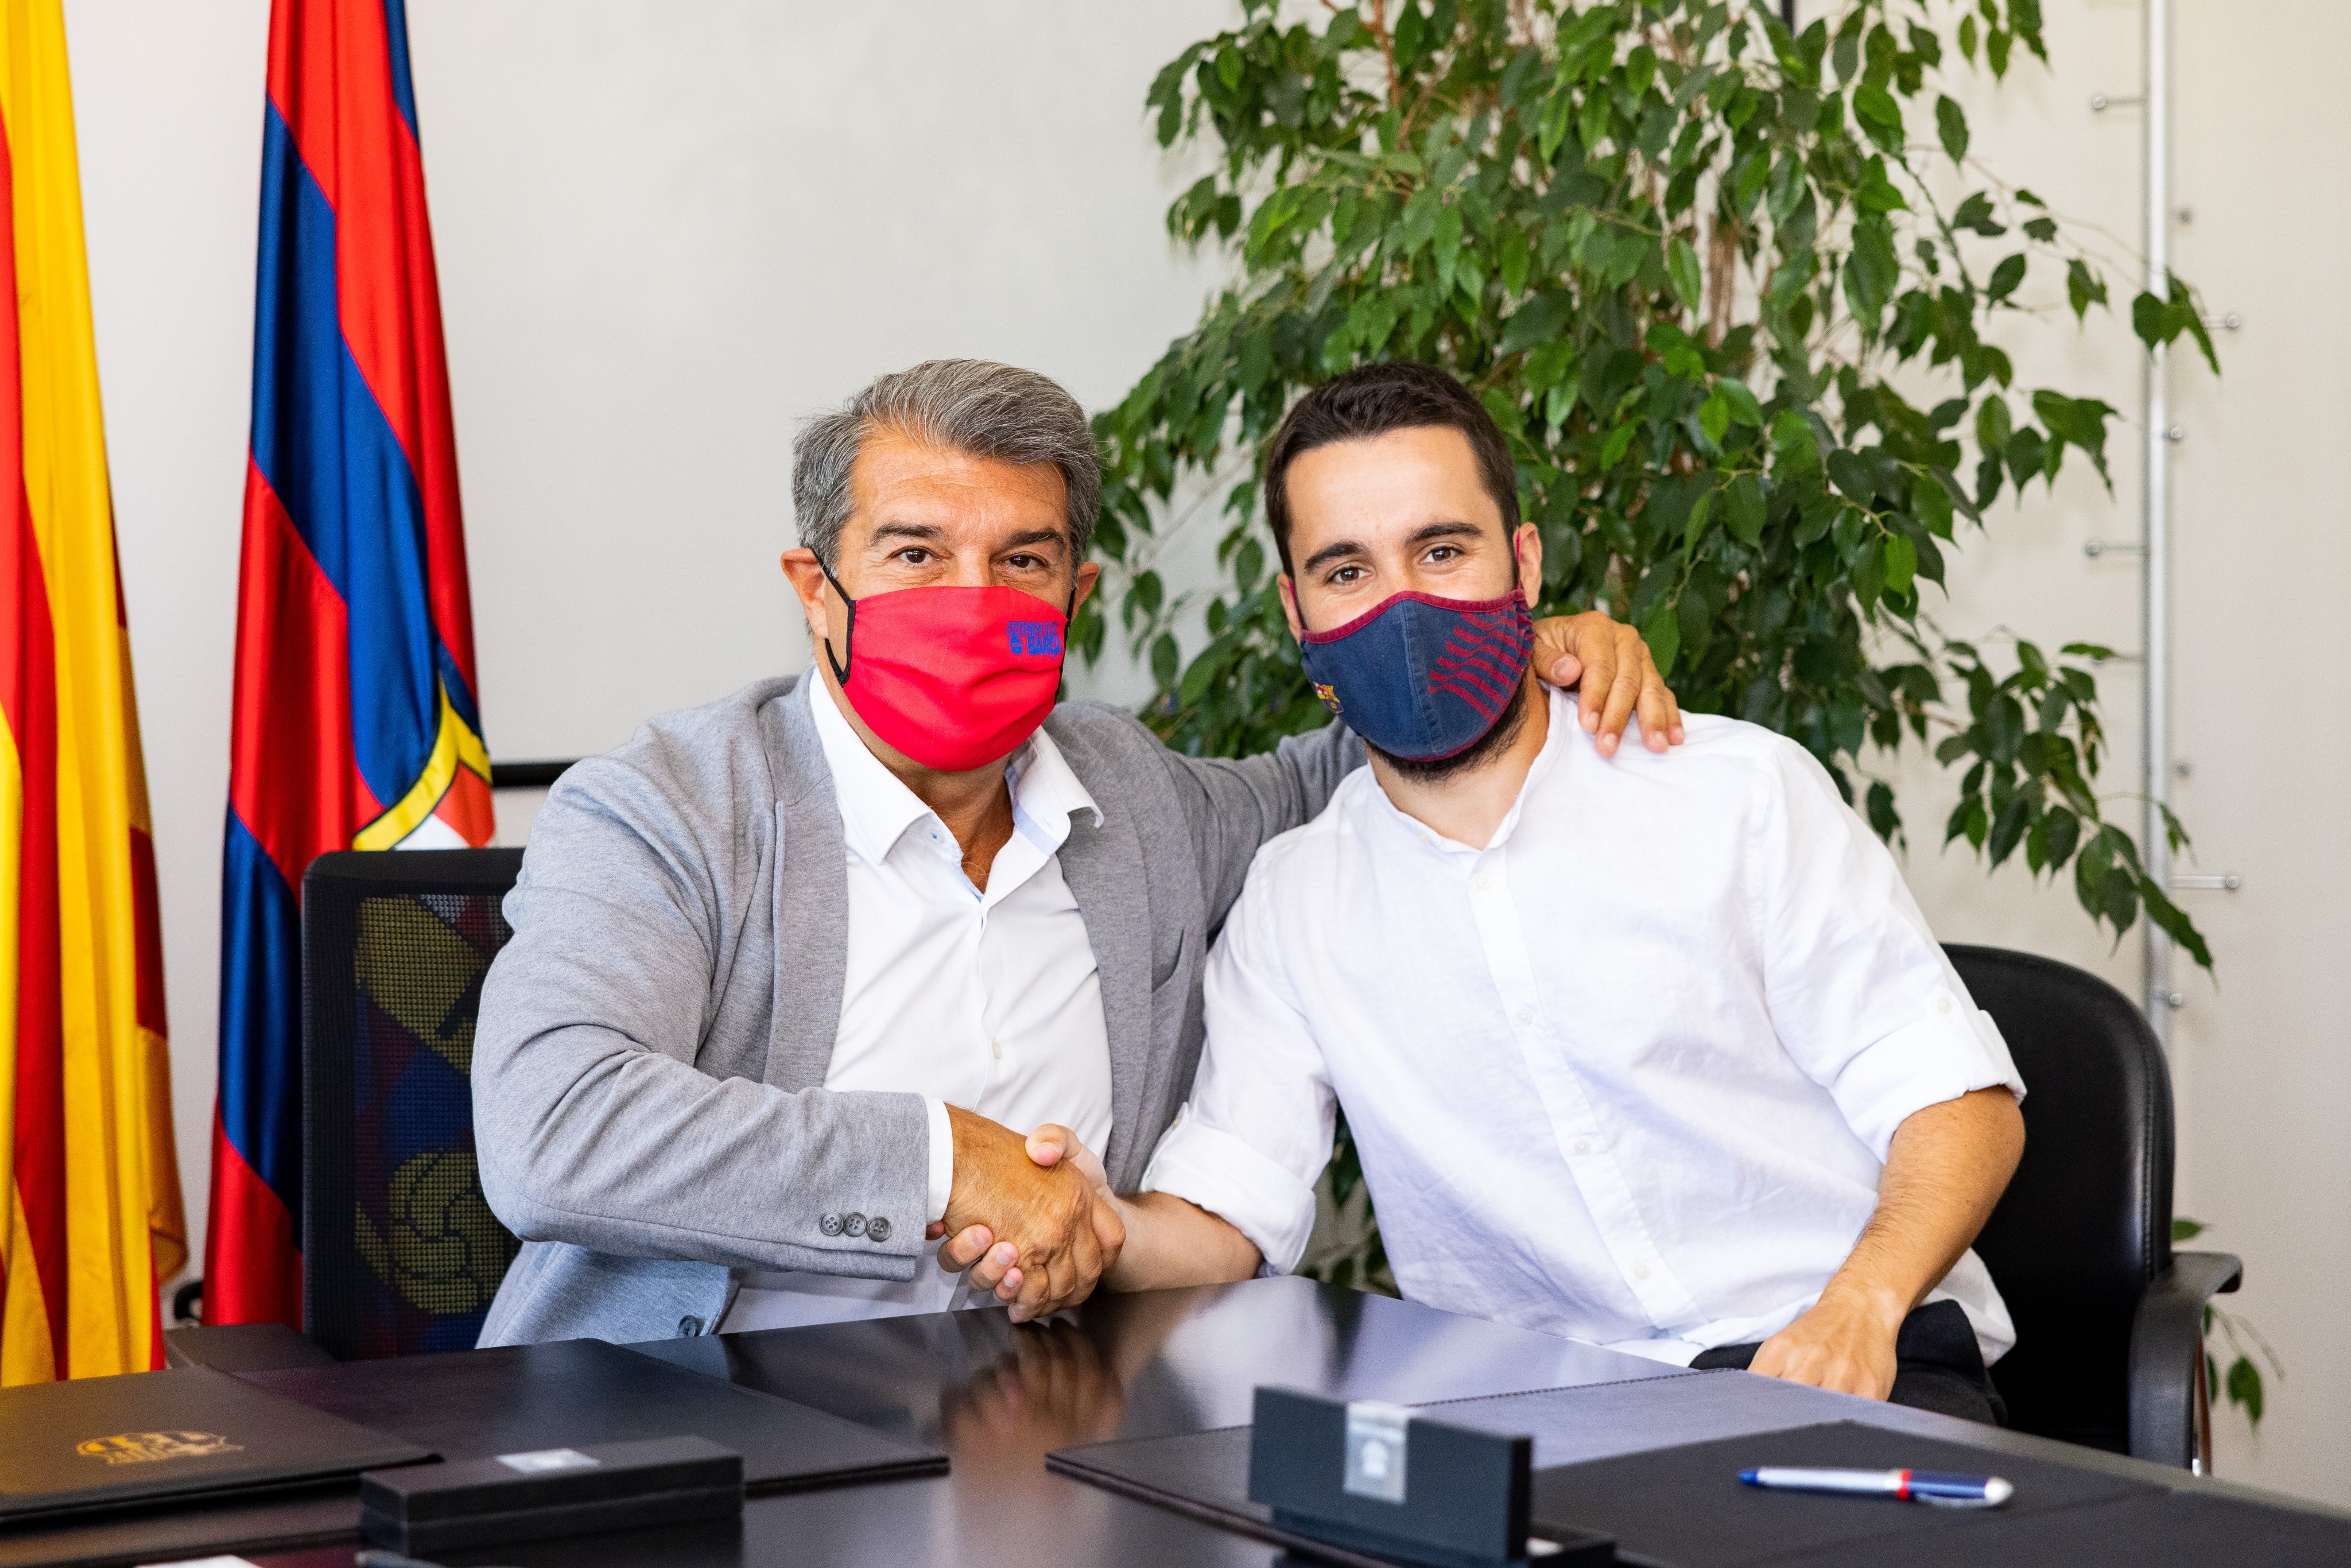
479 1404
1633 1473
1686 1506
98 1443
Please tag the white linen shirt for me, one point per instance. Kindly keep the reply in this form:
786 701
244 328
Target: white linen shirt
1626 1074
988 999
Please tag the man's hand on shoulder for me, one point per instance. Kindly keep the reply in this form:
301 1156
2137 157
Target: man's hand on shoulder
1610 666
1045 1225
1844 1342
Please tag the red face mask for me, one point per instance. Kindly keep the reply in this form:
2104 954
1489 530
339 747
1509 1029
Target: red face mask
954 678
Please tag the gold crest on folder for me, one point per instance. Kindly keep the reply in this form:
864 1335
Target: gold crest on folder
145 1447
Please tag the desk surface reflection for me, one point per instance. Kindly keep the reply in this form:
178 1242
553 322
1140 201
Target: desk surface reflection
999 1398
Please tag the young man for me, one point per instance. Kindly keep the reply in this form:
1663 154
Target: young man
1753 1119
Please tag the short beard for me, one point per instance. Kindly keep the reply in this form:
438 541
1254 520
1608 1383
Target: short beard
1476 754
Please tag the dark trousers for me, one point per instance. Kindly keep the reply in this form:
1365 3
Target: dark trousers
1938 1365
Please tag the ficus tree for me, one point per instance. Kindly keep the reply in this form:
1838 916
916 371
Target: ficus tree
1730 291
1733 292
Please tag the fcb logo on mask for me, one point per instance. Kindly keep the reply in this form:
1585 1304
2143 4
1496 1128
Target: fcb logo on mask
1329 696
1034 637
147 1447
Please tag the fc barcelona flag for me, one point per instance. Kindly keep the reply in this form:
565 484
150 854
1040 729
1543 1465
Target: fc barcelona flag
356 725
89 1189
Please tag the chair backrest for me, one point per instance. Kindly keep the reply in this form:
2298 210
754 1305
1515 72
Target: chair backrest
400 1253
2087 1223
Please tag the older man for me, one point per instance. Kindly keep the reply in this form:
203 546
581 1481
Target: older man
785 968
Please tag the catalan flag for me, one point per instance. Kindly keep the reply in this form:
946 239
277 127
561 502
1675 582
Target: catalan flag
355 719
93 1221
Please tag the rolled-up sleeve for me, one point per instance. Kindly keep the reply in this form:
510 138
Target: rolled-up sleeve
1254 1137
1861 993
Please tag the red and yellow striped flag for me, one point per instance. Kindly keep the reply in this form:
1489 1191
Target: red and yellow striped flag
93 1222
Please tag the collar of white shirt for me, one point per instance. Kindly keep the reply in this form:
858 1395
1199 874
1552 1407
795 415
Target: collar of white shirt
1560 707
877 808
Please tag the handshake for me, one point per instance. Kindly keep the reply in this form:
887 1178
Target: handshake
1032 1218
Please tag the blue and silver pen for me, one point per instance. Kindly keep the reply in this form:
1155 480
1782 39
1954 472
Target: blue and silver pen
1915 1486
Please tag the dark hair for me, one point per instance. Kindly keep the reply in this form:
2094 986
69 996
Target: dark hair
1372 400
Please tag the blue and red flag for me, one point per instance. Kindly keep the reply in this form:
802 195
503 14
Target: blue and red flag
356 725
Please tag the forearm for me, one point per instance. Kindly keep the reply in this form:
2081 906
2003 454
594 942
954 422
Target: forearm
1945 1171
584 1139
1171 1242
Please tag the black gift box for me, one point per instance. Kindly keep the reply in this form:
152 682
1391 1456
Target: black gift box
549 1492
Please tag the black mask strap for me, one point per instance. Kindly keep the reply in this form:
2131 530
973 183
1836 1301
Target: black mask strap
847 632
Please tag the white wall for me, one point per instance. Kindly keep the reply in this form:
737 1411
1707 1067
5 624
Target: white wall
2261 1079
666 231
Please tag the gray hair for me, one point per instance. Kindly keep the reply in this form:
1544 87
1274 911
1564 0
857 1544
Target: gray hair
975 406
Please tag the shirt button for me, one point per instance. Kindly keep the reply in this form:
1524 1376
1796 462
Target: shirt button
829 1224
1484 880
854 1224
877 1229
1641 1271
996 1049
1942 1004
1583 1145
1526 1015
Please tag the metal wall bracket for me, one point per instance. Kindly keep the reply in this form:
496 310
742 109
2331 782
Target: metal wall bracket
2227 882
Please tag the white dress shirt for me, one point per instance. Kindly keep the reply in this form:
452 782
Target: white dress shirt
988 998
1626 1074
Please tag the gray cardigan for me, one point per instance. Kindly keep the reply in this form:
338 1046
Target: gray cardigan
648 1068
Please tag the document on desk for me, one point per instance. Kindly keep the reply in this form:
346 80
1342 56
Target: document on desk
98 1443
576 1394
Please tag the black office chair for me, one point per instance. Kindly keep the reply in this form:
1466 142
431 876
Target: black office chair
400 1253
2109 1319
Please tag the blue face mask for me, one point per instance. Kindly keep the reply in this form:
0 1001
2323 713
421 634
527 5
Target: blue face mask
1421 677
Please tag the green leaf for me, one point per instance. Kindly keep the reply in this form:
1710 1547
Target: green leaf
1931 504
1850 474
1745 509
2185 1229
1682 269
1951 125
2245 1387
1975 214
1744 406
1880 116
1620 441
1793 444
1901 564
2008 829
1714 416
1663 633
1883 820
2005 277
1696 523
1538 321
2174 923
2084 287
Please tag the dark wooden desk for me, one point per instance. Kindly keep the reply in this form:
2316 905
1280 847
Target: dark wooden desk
998 1399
